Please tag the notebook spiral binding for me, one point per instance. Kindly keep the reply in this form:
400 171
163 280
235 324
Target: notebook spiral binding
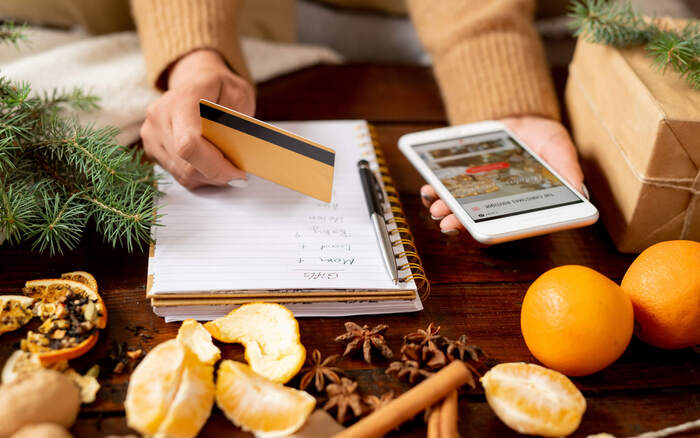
413 264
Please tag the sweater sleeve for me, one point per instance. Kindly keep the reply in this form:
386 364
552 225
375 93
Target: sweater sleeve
487 58
169 29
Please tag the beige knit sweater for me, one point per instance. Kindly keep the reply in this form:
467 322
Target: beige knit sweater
487 57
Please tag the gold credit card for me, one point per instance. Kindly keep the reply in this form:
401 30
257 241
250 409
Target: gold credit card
269 152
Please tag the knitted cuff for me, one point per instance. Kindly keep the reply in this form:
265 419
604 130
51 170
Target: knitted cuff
169 29
495 74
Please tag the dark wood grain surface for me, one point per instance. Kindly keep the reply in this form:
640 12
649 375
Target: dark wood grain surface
477 291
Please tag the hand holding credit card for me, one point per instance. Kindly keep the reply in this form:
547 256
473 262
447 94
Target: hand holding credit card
269 152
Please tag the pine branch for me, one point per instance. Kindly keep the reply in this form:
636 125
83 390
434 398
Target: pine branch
612 23
56 174
11 33
619 25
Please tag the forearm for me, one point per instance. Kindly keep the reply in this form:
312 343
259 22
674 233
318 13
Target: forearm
169 29
487 57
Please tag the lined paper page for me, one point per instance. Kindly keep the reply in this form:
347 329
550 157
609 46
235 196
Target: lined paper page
267 237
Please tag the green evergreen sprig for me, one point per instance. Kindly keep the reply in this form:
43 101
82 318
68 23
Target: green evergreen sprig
56 174
618 24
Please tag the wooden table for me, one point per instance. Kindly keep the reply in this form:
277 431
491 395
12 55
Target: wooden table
477 291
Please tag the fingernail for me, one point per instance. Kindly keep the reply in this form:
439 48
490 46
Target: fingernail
452 232
427 197
437 218
238 183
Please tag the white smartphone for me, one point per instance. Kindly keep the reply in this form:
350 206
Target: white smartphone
495 185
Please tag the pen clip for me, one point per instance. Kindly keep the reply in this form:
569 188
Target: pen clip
380 192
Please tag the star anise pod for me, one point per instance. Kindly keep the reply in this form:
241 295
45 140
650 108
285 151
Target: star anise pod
319 370
362 337
375 403
422 337
433 357
462 346
408 368
412 352
342 396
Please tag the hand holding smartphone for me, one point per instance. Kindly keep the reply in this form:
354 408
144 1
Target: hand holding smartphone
494 184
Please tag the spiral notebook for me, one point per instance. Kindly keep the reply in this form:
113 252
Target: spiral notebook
222 247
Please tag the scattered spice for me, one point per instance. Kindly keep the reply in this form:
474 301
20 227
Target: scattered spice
134 354
462 346
362 337
342 396
319 369
409 368
423 337
375 403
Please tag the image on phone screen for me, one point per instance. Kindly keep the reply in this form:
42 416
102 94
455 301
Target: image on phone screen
492 176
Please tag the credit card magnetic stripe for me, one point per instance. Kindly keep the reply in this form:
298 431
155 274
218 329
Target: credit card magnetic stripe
267 134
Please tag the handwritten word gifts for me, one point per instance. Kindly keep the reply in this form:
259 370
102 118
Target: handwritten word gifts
222 247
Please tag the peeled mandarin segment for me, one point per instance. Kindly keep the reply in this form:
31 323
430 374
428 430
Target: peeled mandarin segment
257 405
278 369
270 334
193 336
191 406
153 386
534 400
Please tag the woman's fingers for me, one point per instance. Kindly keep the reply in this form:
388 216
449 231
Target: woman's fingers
439 210
450 225
428 195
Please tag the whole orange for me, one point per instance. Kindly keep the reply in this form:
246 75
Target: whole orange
664 286
576 320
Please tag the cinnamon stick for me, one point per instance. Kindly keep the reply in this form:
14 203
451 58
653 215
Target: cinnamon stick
442 422
410 403
434 422
448 417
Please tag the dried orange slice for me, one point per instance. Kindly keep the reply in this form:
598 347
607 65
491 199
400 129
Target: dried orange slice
534 400
270 334
257 405
15 311
171 392
82 277
72 313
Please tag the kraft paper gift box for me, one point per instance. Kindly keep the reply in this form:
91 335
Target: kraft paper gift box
638 134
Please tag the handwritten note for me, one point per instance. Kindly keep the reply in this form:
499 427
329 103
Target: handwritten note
267 237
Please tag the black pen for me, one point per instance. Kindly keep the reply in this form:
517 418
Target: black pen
373 196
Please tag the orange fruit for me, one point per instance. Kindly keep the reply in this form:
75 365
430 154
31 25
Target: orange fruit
576 320
664 285
171 392
534 400
72 313
258 405
270 335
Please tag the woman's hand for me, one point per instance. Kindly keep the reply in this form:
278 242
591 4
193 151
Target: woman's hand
172 133
548 138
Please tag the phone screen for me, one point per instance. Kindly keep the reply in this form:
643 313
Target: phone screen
492 176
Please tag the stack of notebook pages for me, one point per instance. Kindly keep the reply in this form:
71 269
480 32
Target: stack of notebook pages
221 247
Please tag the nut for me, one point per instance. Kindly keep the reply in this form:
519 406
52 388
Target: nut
90 311
44 396
43 430
134 354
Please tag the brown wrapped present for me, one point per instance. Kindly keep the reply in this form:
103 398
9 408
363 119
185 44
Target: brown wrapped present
638 134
